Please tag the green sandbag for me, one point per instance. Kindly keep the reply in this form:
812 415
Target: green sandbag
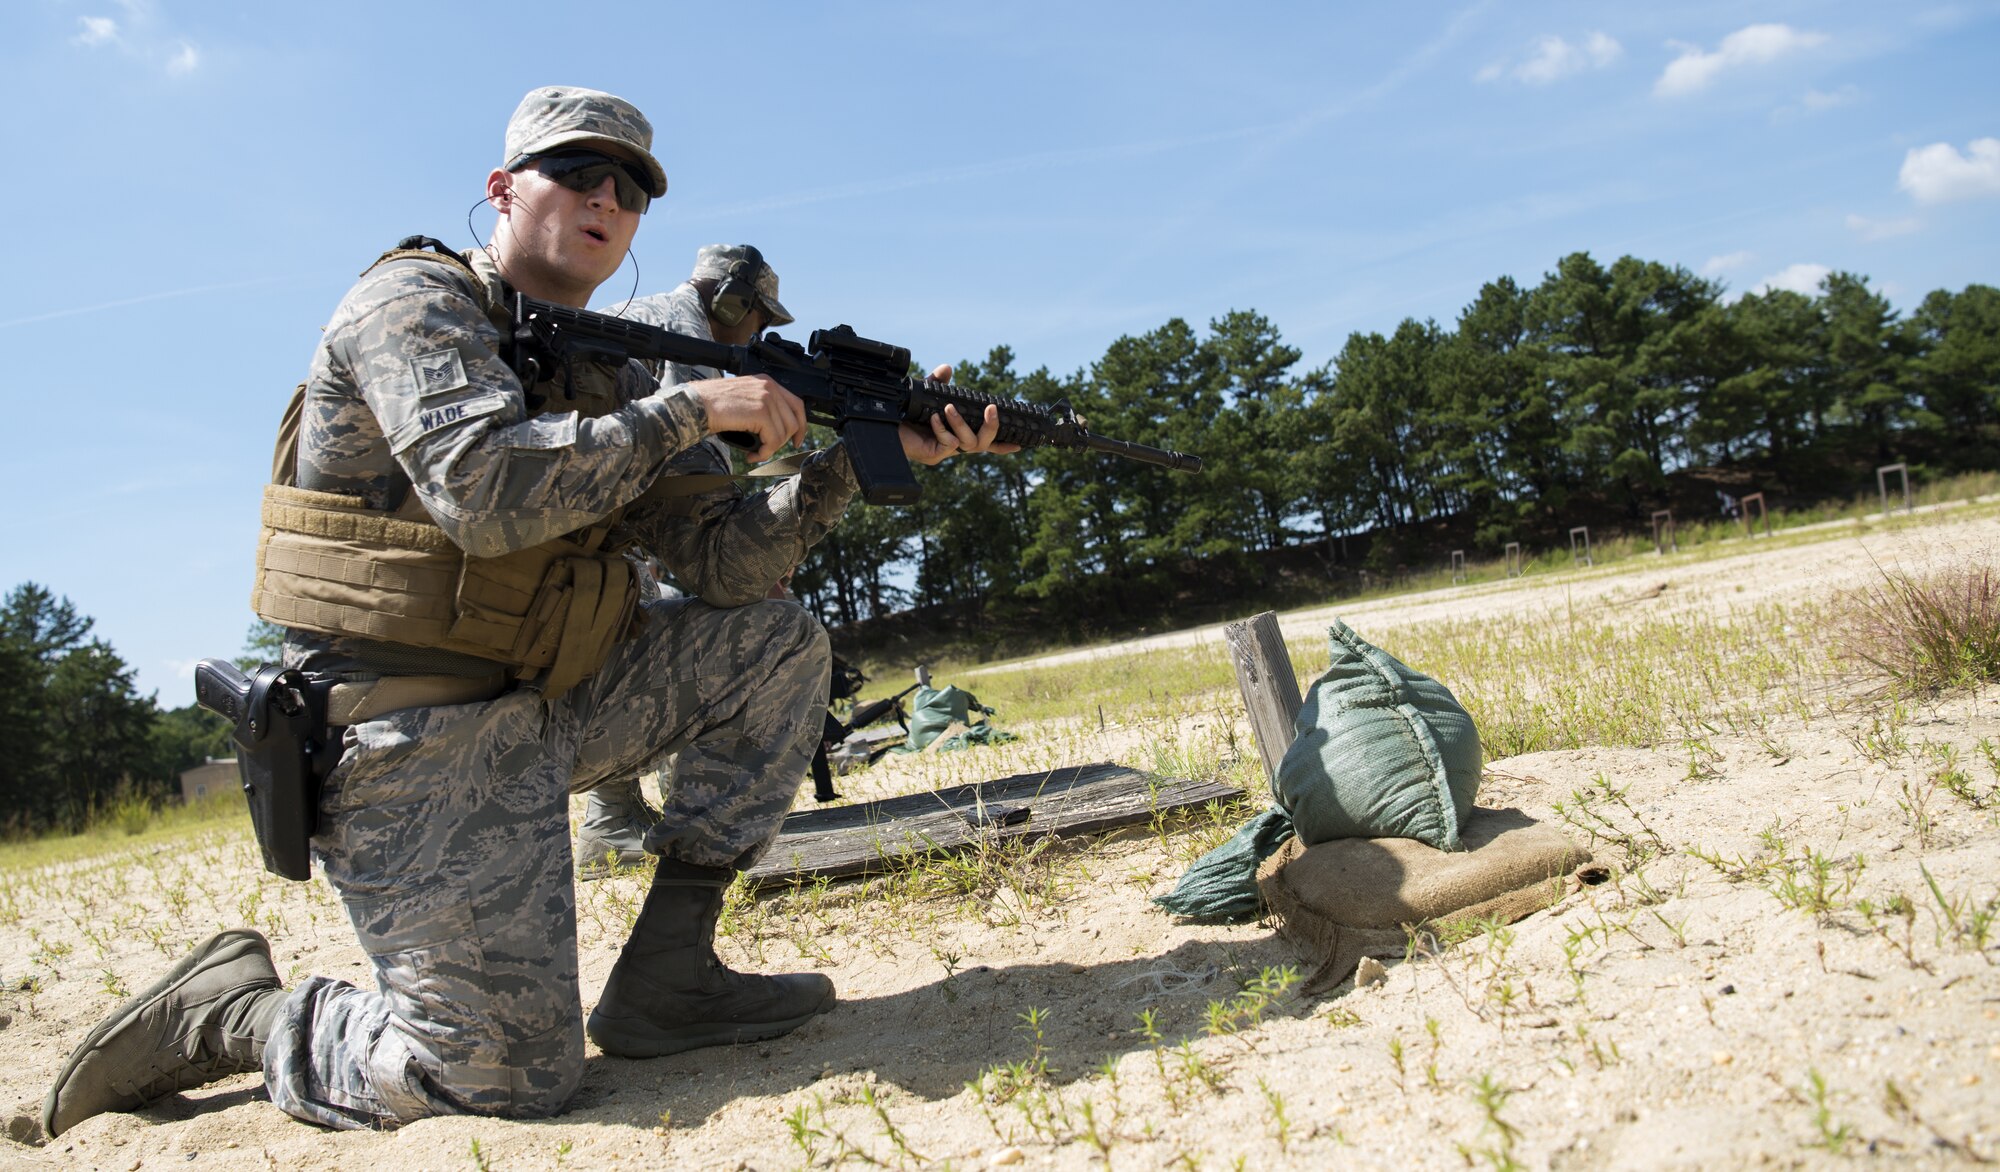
1214 887
1379 751
933 710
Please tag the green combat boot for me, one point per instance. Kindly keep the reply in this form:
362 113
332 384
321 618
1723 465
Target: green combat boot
669 993
613 833
205 1020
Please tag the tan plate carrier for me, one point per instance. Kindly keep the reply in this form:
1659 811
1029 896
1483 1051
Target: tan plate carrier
327 562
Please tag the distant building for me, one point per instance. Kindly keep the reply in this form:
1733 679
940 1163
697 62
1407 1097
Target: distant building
211 777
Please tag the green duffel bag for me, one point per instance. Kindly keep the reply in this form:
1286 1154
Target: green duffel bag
1379 751
934 710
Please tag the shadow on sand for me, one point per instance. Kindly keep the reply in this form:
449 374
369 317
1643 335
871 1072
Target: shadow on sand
932 1039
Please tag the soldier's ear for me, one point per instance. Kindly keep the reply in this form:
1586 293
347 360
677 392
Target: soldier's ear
500 190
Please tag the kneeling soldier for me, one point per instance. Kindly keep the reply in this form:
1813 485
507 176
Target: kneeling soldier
445 544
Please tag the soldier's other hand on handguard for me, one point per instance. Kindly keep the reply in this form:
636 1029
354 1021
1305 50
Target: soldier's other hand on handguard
950 434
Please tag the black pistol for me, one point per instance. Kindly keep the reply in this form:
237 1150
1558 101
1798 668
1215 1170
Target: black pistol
282 753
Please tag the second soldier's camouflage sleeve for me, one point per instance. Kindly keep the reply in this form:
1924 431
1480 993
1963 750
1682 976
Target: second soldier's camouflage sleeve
680 311
426 361
728 546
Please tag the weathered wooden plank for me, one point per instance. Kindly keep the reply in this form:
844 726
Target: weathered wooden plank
1270 690
875 837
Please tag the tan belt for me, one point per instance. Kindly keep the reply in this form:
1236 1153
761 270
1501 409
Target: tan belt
353 703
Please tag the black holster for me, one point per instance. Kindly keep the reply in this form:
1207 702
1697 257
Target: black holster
284 752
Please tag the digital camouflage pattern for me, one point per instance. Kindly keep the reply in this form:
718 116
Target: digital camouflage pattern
446 831
408 389
566 115
616 818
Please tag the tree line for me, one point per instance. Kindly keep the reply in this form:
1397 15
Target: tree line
77 735
1587 394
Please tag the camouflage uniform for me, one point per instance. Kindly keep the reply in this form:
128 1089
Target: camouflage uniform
445 829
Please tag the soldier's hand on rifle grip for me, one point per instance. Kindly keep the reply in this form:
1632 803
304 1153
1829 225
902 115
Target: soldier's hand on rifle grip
756 404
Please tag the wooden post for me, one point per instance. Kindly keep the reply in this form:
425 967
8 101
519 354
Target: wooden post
1270 690
1457 566
1517 560
1882 486
1763 514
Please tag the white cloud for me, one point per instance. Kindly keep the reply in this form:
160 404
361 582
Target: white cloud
1799 278
1938 173
1869 229
1756 44
140 35
1727 261
97 30
1552 58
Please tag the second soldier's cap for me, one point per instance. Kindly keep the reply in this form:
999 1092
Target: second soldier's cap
717 260
566 115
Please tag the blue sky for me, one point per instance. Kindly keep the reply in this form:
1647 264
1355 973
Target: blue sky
192 187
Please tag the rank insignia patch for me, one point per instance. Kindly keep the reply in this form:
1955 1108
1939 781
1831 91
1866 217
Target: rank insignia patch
439 372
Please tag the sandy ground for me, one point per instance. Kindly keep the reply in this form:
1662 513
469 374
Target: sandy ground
1737 1012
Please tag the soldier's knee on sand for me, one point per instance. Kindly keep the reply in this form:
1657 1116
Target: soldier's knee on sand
543 1074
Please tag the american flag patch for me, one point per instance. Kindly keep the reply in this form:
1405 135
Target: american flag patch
439 372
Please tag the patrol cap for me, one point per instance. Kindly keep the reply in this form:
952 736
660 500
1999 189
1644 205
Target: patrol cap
566 115
715 260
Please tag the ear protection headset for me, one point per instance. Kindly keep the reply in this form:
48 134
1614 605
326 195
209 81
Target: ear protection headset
736 295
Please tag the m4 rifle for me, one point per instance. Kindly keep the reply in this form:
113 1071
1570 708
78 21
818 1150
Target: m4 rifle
859 387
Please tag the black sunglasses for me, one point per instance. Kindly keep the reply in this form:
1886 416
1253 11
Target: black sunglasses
583 170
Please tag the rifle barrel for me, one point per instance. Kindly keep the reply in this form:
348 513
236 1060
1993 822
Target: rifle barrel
1178 461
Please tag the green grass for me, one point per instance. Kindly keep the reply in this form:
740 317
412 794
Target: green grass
129 824
1708 538
1534 683
1556 679
1531 682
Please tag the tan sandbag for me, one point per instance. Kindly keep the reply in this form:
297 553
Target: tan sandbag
1352 897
